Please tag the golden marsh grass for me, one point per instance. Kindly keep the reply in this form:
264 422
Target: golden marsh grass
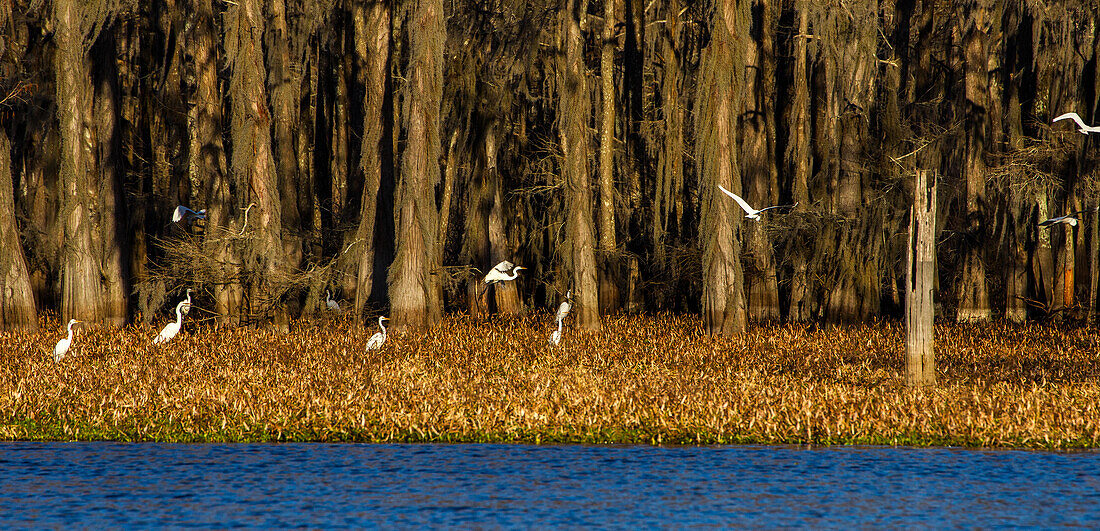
648 379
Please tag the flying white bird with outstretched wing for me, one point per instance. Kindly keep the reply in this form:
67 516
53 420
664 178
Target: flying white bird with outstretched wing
182 212
751 212
499 273
1084 129
1069 219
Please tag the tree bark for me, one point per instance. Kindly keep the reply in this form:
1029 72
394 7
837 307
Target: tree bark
972 292
415 278
17 309
574 110
920 281
718 107
609 264
799 161
253 161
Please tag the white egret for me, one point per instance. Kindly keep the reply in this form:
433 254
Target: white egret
751 212
499 273
171 329
331 304
1084 129
62 346
555 338
182 212
375 341
1069 219
187 307
563 308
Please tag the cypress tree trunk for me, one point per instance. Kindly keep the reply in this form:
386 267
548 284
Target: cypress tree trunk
609 262
284 85
17 308
81 291
372 45
109 236
208 155
799 161
414 279
972 292
669 186
253 162
716 155
574 111
758 162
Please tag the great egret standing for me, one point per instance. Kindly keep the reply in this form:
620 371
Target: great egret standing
375 341
1084 129
751 212
564 307
171 329
182 212
62 346
187 307
331 304
555 338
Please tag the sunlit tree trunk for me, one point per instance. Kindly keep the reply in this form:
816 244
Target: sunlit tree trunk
81 291
973 295
759 173
414 278
285 82
17 309
717 107
109 235
253 162
574 110
372 45
609 263
799 161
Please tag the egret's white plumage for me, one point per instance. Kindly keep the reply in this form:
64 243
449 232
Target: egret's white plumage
375 341
187 306
555 338
499 273
62 346
331 304
181 212
564 307
751 212
1084 129
171 329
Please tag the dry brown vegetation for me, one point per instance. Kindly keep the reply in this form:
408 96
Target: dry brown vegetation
648 379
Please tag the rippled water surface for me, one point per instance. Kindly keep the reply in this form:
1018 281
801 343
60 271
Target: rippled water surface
355 485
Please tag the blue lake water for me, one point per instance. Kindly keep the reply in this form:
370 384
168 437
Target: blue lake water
376 485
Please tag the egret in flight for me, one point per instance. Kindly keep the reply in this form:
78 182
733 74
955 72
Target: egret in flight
499 273
1069 219
330 303
751 212
375 341
182 212
62 346
171 329
1084 129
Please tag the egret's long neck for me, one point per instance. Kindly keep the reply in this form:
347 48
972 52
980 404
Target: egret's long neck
70 327
559 325
383 326
179 316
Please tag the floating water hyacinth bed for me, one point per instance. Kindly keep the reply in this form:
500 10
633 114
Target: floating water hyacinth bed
644 379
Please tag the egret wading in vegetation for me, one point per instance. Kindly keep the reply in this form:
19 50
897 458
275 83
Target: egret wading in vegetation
330 303
171 329
564 307
63 344
1084 129
182 212
375 341
555 338
499 273
751 212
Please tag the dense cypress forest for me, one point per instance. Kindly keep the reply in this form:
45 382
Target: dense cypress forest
393 152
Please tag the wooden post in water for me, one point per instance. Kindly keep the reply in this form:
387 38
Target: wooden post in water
920 354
